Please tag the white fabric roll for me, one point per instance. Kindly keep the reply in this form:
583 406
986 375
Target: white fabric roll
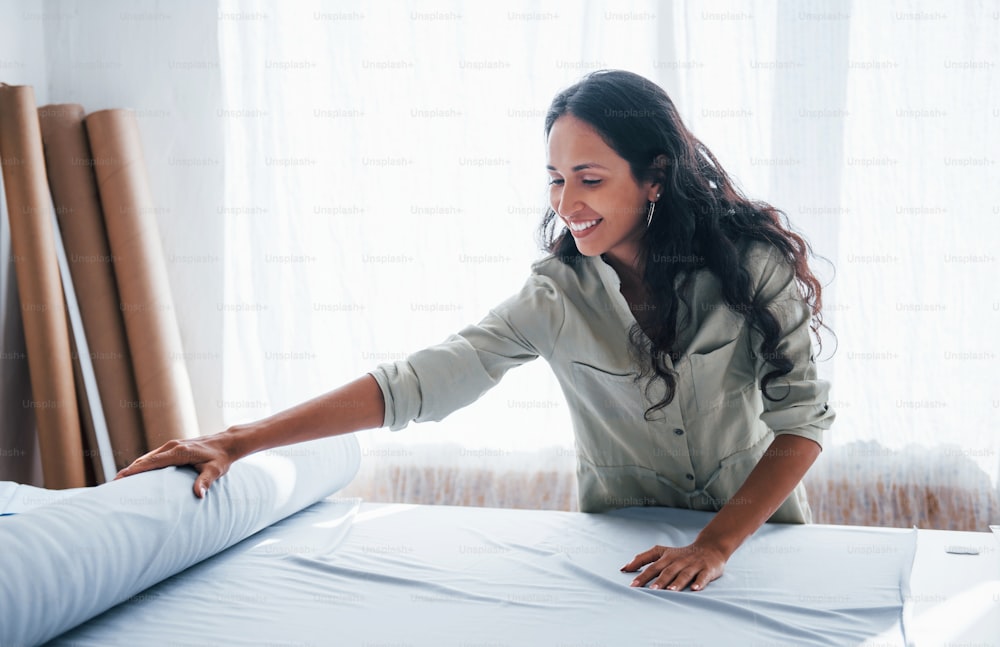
68 561
17 498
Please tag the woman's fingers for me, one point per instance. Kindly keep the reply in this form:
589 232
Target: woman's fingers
201 487
642 559
210 473
702 580
151 461
662 567
172 452
675 578
674 569
141 464
207 454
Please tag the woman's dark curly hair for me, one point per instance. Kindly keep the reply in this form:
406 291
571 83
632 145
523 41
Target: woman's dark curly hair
701 222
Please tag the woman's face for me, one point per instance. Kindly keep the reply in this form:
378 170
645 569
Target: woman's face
590 184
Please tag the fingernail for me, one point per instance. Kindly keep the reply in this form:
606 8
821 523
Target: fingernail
654 586
634 583
695 587
204 491
671 588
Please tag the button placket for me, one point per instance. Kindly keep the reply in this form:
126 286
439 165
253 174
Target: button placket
673 449
672 439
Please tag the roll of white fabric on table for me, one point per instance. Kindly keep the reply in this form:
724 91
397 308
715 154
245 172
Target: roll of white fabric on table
65 562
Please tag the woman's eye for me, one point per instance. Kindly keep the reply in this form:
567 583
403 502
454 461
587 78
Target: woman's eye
591 182
555 181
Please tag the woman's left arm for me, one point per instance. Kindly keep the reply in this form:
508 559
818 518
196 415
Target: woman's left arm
798 420
777 473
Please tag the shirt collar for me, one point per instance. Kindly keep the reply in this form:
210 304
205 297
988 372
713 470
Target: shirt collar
612 283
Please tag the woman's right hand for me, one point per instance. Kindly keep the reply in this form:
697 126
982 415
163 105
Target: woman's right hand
210 455
358 405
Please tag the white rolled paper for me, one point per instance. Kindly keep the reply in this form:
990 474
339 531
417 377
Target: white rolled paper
64 563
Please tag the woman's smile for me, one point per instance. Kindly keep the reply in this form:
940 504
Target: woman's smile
583 228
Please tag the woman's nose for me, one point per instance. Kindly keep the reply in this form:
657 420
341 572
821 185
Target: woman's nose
569 203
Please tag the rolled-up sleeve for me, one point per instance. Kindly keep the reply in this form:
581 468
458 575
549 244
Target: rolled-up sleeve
433 382
801 404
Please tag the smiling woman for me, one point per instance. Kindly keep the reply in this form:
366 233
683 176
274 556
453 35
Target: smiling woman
698 435
598 199
624 142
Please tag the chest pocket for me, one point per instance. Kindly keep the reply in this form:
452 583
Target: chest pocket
609 410
612 396
722 376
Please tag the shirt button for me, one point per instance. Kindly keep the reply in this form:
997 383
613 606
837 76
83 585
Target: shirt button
689 477
679 432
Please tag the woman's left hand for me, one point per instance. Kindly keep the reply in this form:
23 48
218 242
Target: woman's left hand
675 568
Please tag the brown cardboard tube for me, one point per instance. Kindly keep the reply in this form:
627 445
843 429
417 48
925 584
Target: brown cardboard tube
164 388
91 449
46 331
69 164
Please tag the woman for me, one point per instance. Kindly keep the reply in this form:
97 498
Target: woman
671 312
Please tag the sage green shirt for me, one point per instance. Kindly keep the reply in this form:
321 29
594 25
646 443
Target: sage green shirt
698 450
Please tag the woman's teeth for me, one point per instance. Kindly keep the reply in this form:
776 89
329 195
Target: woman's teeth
580 226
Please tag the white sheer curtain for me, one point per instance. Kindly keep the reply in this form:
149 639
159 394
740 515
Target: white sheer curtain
918 304
874 125
384 179
385 175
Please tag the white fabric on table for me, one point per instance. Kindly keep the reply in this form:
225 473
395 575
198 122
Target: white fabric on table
66 562
441 575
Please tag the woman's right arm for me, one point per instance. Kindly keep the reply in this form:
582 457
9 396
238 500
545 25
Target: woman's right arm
355 406
428 385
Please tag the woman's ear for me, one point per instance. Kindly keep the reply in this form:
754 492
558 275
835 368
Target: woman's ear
658 175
